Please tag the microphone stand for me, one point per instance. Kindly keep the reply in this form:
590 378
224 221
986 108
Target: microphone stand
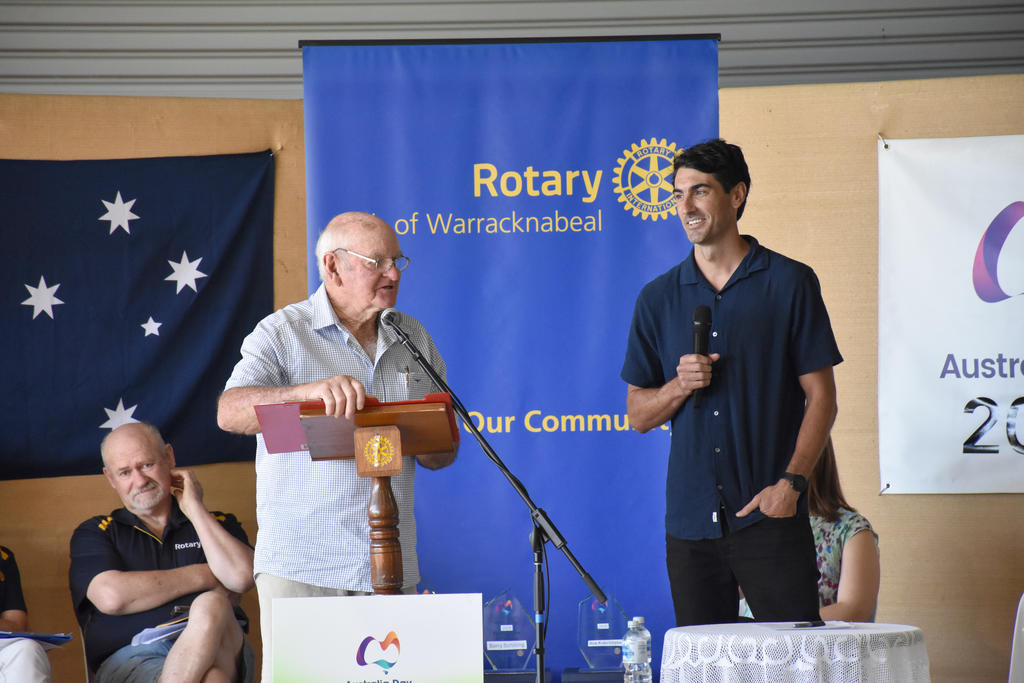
544 529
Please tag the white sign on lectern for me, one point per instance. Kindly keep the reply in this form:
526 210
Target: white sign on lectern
434 638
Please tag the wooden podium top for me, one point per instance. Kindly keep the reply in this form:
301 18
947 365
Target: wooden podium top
426 426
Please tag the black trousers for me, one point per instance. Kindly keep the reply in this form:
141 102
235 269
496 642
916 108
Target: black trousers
773 561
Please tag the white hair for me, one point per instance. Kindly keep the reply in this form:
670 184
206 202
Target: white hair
337 230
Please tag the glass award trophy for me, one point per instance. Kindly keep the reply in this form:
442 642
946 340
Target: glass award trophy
509 634
601 627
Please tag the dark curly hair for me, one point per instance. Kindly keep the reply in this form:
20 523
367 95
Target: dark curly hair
720 159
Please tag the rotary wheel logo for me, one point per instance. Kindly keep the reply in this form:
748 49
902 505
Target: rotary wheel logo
378 450
641 179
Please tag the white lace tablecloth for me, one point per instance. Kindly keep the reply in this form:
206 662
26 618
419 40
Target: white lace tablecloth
765 653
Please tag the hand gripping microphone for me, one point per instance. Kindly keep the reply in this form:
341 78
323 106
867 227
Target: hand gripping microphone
701 329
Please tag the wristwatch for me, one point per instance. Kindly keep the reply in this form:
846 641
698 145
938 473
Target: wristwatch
797 481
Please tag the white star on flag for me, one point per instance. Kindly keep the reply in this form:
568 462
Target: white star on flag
118 213
42 299
185 273
151 327
119 416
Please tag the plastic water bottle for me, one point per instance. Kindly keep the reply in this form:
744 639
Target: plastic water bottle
636 653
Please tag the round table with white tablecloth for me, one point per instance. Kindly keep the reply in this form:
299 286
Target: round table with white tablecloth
838 652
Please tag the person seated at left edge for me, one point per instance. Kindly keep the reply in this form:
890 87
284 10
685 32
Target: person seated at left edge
21 659
145 563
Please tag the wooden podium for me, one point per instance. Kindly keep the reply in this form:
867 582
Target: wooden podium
377 438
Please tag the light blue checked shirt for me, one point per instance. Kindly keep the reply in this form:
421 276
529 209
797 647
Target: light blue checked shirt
312 515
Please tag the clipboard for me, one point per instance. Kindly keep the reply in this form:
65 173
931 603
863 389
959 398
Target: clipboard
47 640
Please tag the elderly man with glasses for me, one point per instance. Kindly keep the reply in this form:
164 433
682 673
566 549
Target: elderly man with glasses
313 534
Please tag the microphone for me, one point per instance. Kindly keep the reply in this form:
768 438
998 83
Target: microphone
390 317
701 328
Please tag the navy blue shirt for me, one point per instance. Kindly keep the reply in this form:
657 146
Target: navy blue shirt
121 541
11 596
770 326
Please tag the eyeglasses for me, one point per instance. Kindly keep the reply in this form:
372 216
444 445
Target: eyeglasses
380 265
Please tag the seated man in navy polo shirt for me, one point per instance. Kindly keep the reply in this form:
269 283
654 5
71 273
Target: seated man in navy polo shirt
146 562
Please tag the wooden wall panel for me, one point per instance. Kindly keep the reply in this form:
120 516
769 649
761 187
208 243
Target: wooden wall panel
952 565
37 517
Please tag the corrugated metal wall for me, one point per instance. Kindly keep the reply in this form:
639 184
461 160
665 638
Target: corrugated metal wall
249 48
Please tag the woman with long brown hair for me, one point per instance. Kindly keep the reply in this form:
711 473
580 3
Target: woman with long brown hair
846 545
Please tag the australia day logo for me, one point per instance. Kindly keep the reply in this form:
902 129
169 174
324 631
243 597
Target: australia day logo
383 653
986 259
642 179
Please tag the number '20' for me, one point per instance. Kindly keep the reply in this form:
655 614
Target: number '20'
971 445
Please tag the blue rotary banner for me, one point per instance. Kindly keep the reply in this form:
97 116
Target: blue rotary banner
528 182
130 286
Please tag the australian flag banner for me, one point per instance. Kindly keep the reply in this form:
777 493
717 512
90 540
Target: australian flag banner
128 287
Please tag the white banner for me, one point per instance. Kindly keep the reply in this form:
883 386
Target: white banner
951 315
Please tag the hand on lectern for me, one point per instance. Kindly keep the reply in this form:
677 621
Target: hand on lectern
342 395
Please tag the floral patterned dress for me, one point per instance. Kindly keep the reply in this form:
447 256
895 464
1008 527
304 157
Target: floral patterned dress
829 539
